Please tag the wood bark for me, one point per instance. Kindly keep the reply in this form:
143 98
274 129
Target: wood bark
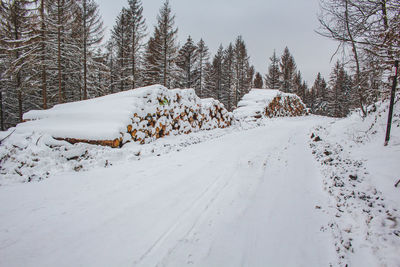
60 89
356 59
2 127
43 52
85 33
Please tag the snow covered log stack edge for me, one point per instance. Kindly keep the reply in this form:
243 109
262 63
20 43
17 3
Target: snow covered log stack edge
140 115
268 103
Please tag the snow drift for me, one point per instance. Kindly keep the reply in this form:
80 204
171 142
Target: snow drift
260 103
140 115
360 176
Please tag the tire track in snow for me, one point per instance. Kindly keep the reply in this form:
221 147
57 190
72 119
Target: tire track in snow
184 217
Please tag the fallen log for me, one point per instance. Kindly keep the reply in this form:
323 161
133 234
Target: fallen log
111 143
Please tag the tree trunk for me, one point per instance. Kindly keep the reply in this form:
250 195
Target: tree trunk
1 112
60 93
133 59
43 48
84 52
18 74
201 77
122 54
20 111
188 74
384 14
165 60
356 59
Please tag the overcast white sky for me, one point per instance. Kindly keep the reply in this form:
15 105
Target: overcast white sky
264 24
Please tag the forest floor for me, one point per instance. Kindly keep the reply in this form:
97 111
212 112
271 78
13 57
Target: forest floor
267 196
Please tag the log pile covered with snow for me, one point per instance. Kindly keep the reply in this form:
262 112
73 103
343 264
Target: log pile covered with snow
261 103
140 115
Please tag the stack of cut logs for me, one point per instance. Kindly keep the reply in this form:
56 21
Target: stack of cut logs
145 114
171 114
285 106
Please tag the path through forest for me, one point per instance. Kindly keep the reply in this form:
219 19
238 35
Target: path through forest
248 198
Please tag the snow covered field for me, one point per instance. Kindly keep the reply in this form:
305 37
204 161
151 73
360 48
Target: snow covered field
265 196
245 199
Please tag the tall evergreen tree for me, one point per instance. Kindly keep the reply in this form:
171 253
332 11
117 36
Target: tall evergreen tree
152 57
272 77
250 77
258 81
299 85
186 63
319 90
216 76
61 27
120 37
203 57
340 90
229 75
92 35
288 70
209 82
137 31
111 63
241 86
42 60
17 38
162 48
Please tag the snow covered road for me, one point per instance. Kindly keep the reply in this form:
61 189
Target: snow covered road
245 199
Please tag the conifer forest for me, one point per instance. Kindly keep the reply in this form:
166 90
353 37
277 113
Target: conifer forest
199 133
54 52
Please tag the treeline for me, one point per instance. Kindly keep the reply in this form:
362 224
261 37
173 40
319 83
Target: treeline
333 98
226 77
367 33
53 52
48 55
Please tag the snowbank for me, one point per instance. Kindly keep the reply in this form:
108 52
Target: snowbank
360 174
140 115
259 103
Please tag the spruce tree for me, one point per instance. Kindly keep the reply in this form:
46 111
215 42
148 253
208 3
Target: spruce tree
18 39
241 67
42 62
209 81
162 51
272 77
217 76
137 32
186 62
228 75
340 89
120 39
61 27
258 81
92 34
250 78
111 63
287 70
203 57
319 91
299 85
152 58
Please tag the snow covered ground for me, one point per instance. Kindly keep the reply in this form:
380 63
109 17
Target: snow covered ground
359 175
251 195
247 198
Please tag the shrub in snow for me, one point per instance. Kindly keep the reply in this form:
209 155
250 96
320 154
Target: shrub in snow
261 103
140 115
